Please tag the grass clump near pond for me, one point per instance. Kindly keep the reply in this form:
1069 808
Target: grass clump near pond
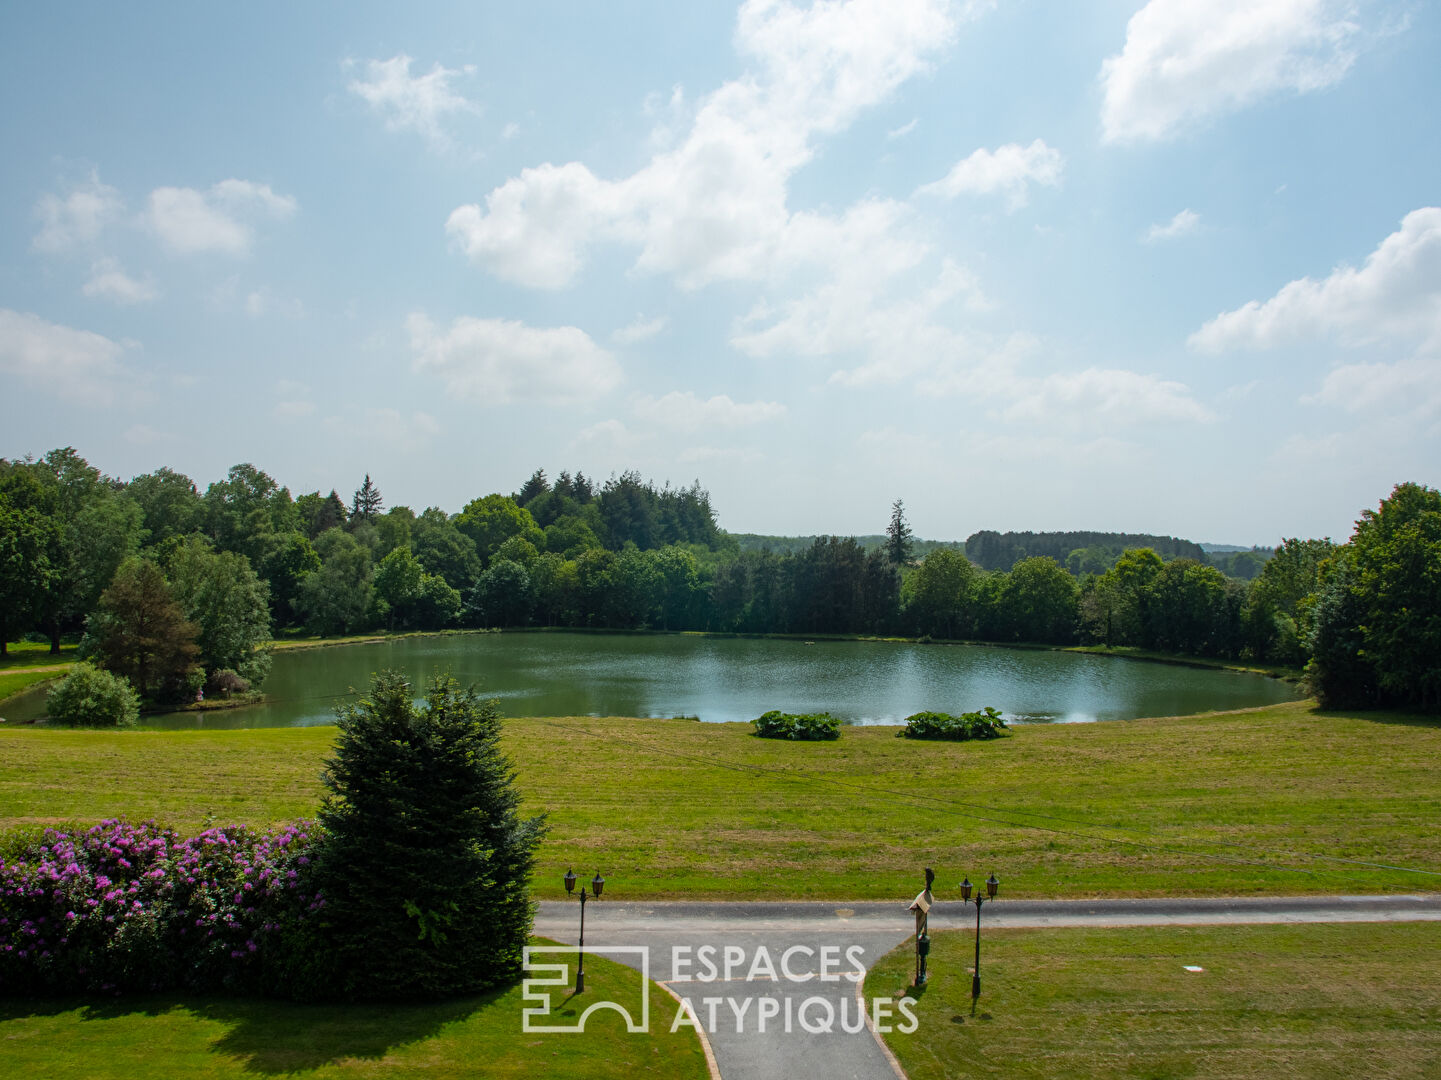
984 724
1315 1000
162 1037
798 727
1272 800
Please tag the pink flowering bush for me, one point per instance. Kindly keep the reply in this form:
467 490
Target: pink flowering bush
122 907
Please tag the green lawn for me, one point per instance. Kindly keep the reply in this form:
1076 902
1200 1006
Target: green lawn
172 1036
12 682
1258 801
22 654
1359 999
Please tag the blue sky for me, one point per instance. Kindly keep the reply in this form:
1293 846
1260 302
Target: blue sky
1170 267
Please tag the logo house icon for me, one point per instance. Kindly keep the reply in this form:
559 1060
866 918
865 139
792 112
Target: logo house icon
558 975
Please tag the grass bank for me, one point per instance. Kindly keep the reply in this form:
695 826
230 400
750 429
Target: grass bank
1286 799
12 682
216 1038
1357 999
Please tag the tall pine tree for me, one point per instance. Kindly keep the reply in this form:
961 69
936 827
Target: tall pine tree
366 505
425 864
898 536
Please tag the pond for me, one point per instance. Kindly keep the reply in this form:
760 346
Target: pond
720 679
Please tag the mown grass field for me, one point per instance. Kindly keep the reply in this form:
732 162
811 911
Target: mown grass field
166 1037
1358 999
1283 800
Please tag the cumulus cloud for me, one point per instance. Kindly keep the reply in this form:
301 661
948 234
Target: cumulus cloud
73 363
190 222
712 206
77 218
684 411
409 102
1184 62
641 329
108 280
1395 295
1112 396
494 361
1007 170
1185 223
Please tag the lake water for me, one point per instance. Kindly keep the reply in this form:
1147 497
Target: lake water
720 679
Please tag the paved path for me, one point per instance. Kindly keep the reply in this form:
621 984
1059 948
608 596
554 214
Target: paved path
744 1017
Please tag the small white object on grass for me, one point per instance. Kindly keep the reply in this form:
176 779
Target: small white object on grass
1193 967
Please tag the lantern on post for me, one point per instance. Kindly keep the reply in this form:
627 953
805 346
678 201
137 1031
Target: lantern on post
992 884
921 906
597 883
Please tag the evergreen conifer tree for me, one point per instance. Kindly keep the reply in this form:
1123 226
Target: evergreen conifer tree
898 536
366 506
425 864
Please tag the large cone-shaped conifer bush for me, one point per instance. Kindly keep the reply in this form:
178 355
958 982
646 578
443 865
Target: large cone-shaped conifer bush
426 861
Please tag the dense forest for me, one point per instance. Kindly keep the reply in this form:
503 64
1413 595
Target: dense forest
211 575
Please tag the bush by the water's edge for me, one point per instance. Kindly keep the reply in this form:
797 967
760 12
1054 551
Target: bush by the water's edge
802 727
985 723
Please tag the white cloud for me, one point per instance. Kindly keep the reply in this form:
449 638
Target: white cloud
73 363
904 130
611 434
412 102
683 411
1408 387
510 131
1104 396
109 280
190 222
1185 223
1185 61
1396 295
293 410
76 219
641 329
1007 170
494 361
713 206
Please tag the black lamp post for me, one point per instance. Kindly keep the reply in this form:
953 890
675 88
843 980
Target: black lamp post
597 883
992 884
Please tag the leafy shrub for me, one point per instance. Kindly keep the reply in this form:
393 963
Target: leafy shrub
985 724
226 681
806 727
136 908
94 698
426 862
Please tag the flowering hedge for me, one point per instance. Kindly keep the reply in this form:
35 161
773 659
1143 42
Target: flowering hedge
122 907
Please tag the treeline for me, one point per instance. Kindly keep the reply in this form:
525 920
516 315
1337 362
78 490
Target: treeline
627 554
1080 552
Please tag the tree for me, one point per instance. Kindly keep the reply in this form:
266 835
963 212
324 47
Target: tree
939 592
139 631
228 603
533 487
425 865
1039 602
367 504
91 697
244 509
898 536
502 596
30 556
169 504
336 598
317 513
491 521
1398 576
397 582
